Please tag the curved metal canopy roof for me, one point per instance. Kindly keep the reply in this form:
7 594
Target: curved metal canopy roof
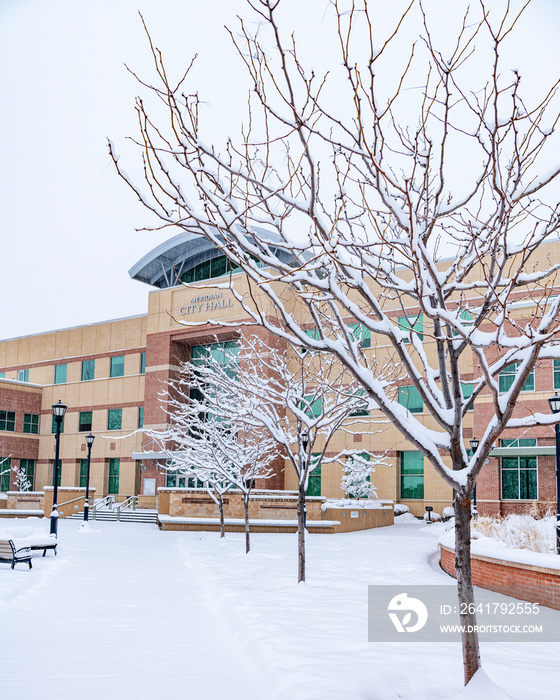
163 266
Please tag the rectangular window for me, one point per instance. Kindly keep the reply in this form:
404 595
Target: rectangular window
83 473
519 442
519 478
362 410
5 471
53 425
60 374
467 390
142 363
361 333
117 366
507 377
27 466
8 421
31 423
140 416
23 375
59 473
114 419
557 374
313 408
409 396
414 323
114 469
2 375
85 421
88 370
412 475
314 479
222 353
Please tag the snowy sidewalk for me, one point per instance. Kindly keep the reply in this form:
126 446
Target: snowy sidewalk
130 612
116 614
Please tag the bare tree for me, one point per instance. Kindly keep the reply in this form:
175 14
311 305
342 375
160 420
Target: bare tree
302 398
209 437
358 179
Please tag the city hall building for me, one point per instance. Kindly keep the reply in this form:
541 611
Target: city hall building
111 375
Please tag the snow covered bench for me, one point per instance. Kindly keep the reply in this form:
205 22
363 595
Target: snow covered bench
49 543
9 553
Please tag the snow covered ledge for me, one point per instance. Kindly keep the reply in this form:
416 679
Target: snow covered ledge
519 573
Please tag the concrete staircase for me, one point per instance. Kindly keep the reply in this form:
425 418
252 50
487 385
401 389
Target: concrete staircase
140 515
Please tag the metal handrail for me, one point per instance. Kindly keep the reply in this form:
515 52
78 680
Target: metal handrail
125 504
80 498
108 501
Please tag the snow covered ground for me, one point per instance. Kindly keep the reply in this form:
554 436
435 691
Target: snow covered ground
127 611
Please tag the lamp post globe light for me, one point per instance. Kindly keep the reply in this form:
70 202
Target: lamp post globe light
474 447
58 409
554 403
89 442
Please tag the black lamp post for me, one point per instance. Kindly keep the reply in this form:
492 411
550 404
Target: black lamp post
58 409
554 403
89 441
474 447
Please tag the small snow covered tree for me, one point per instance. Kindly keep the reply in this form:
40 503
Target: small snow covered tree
22 483
356 482
411 187
208 435
302 399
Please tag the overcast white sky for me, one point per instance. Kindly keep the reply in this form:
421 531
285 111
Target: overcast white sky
67 223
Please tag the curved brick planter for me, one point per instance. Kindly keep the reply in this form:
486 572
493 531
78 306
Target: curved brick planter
536 584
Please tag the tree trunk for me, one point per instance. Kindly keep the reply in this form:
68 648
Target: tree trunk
222 524
465 592
246 508
301 517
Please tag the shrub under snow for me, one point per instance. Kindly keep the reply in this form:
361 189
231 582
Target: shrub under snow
434 517
518 531
400 508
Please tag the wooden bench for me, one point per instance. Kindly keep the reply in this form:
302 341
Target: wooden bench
9 553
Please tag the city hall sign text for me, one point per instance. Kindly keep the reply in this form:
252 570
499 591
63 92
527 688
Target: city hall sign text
208 302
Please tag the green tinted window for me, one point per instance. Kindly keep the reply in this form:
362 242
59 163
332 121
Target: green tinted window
140 416
85 421
88 370
23 375
8 421
313 408
117 366
114 419
314 479
409 396
361 333
142 363
507 377
53 424
519 478
59 480
412 475
5 471
114 469
414 323
27 466
60 374
83 473
557 374
467 390
31 423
